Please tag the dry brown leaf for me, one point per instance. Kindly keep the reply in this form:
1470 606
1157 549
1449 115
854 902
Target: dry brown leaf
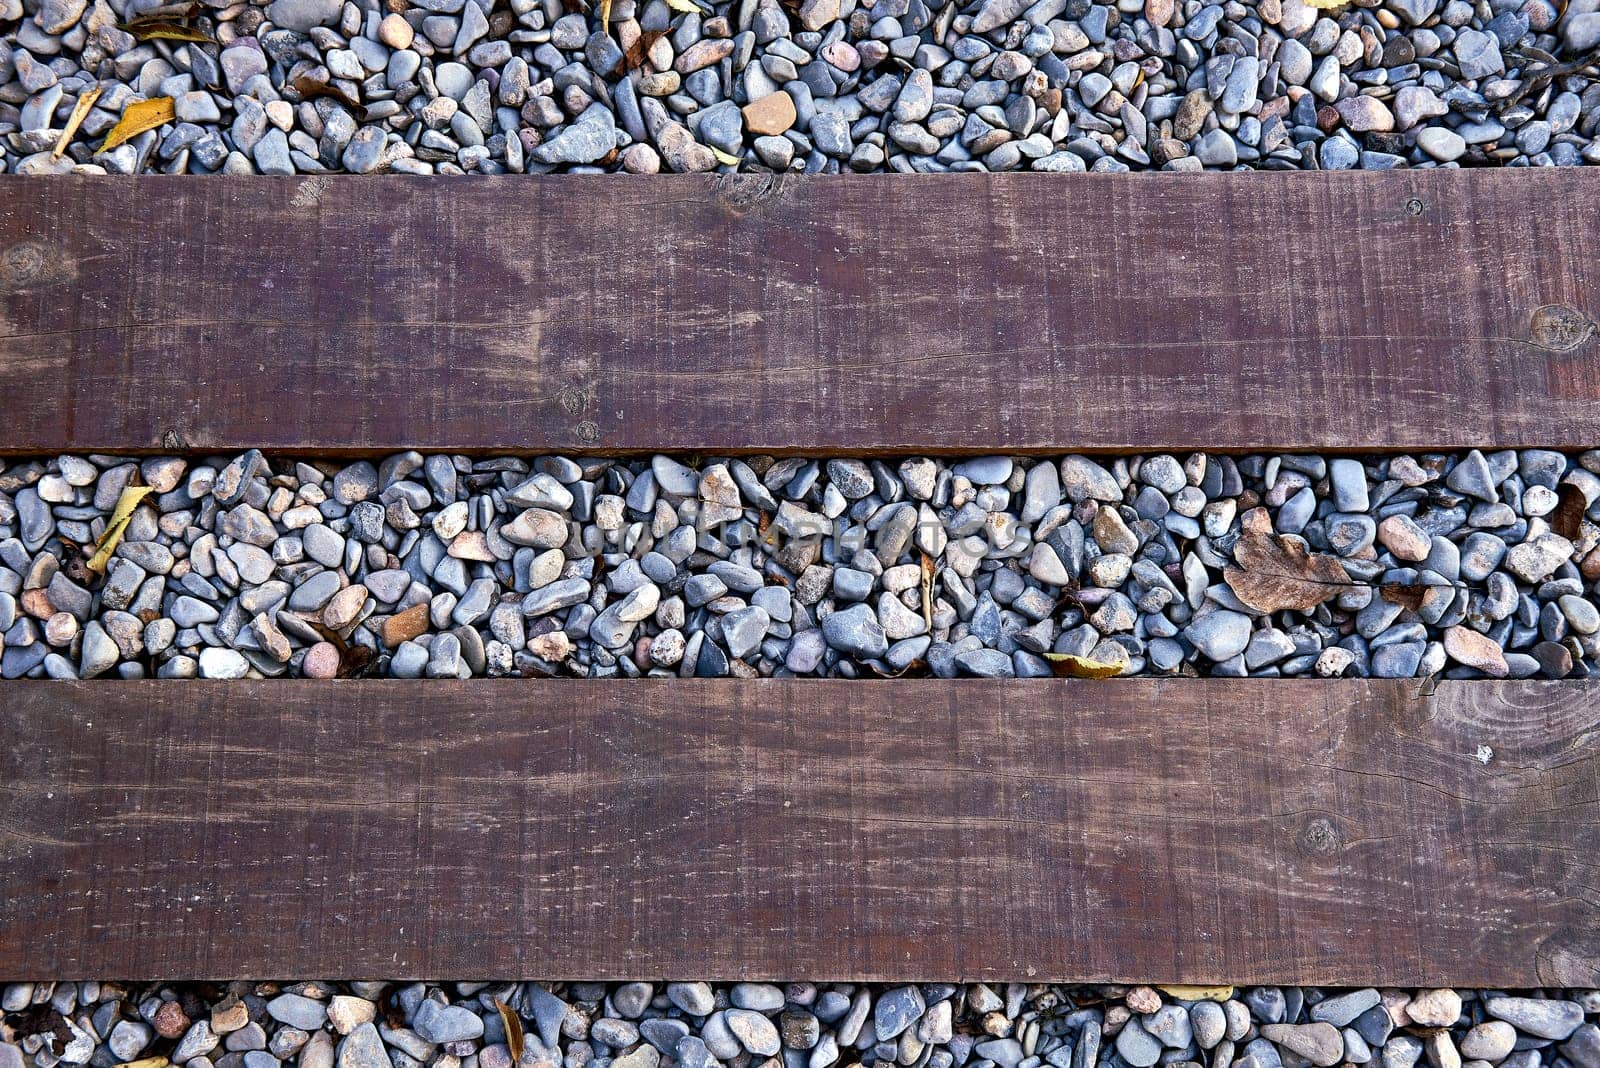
119 522
633 59
44 1021
1408 595
927 590
915 669
1277 572
80 111
137 117
1567 519
354 660
1067 666
513 1026
310 88
163 30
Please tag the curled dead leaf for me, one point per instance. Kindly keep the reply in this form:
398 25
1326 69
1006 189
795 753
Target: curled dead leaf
80 111
44 1021
354 660
1567 519
137 117
513 1026
1277 572
633 59
311 88
1067 666
120 517
915 669
162 30
927 590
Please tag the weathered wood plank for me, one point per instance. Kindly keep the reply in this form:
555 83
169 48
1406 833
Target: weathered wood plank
1263 830
862 314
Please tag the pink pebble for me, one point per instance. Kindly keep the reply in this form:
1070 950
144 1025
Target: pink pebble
322 661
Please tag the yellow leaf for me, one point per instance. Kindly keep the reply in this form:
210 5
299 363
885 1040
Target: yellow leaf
1326 5
137 117
723 157
119 522
145 1062
1067 666
513 1026
686 6
80 111
605 16
1199 993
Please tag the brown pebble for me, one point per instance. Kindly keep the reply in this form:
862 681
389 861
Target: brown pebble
1192 115
1475 650
404 626
171 1021
771 115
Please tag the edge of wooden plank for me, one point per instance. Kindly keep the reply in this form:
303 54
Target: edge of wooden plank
1258 311
1254 831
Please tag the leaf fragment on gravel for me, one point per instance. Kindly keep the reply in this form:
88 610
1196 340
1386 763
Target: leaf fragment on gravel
1567 519
927 590
139 116
513 1026
1067 666
1408 595
686 6
146 1062
80 111
1198 993
639 51
311 88
1277 572
167 31
119 522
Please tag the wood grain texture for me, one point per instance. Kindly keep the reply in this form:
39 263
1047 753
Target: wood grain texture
1199 830
864 314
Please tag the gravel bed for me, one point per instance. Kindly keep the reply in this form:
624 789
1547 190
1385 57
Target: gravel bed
794 1025
1460 565
475 86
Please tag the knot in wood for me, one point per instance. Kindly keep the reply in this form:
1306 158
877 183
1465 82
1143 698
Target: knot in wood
741 194
1320 837
22 264
572 399
1560 328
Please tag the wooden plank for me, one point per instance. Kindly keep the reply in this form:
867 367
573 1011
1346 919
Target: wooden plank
958 313
1328 833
